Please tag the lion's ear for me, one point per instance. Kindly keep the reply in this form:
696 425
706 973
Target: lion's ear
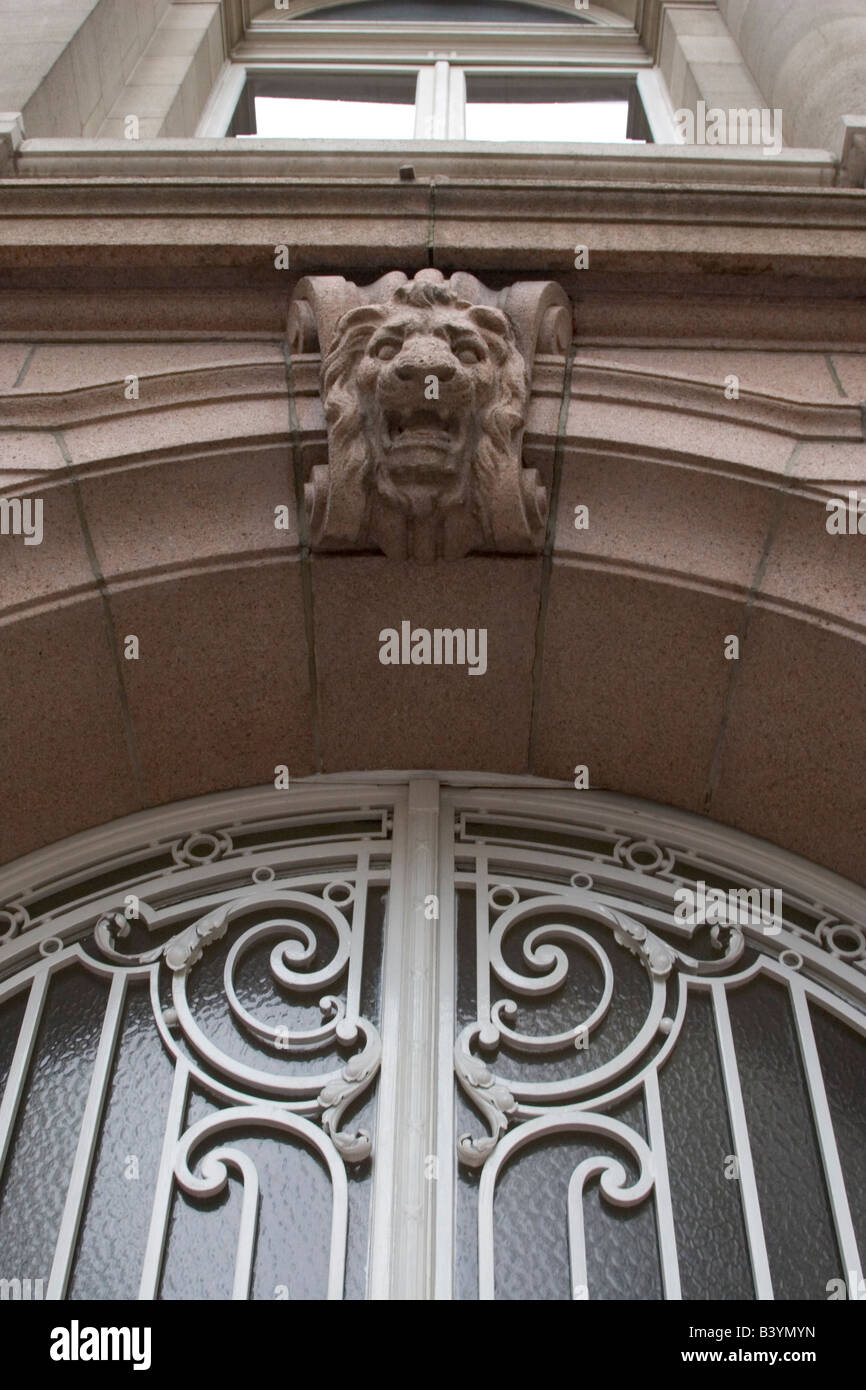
371 314
493 320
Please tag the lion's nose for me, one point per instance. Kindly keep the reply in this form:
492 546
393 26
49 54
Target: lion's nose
421 360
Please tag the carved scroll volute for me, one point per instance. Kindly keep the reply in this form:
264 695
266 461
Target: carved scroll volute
425 386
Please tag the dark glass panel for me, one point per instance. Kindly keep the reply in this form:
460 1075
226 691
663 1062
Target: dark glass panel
11 1014
568 1006
453 11
843 1062
117 1217
711 1237
798 1224
39 1165
293 1230
531 1225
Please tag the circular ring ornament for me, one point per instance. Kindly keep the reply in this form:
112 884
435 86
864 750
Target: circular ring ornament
843 939
13 920
202 847
644 856
341 887
792 959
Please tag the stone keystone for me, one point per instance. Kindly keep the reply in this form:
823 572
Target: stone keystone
425 385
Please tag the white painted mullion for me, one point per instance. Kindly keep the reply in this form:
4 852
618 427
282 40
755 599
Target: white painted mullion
664 1206
445 1148
441 85
152 1266
88 1138
482 937
384 1172
742 1147
243 1276
356 952
826 1135
402 1246
20 1068
412 1275
457 104
424 103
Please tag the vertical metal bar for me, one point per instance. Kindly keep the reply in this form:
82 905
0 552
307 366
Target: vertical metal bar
482 935
246 1250
664 1207
442 1176
386 1155
20 1068
152 1267
356 949
76 1193
742 1147
403 1246
826 1135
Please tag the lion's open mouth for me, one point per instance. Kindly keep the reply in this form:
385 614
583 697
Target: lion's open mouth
421 429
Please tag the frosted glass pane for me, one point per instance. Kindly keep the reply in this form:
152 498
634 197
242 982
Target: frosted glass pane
530 1225
117 1214
798 1225
45 1138
711 1235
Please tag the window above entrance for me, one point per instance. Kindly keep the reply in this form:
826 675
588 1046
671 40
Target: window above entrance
503 72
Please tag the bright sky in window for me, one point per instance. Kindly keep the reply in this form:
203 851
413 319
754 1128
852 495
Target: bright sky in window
311 118
574 121
305 118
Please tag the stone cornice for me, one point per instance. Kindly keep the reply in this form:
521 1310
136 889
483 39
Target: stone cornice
482 163
672 258
728 223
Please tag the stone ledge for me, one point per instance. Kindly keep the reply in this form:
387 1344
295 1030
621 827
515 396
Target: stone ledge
483 161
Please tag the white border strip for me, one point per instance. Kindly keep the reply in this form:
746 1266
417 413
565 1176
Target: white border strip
742 1147
826 1136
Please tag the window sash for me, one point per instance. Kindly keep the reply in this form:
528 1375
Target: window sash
441 92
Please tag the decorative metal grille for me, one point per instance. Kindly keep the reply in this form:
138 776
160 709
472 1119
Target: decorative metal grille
648 1058
229 1037
275 911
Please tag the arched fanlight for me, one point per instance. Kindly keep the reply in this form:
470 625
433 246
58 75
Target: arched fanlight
230 1033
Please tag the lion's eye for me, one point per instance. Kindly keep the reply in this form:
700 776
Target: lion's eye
386 350
468 353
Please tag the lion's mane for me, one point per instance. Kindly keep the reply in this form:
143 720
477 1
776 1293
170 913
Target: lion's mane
495 468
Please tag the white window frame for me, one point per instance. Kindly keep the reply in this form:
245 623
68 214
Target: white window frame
587 54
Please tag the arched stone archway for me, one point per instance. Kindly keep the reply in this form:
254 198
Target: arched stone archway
164 521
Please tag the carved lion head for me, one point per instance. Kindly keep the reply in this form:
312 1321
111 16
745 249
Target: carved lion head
425 398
